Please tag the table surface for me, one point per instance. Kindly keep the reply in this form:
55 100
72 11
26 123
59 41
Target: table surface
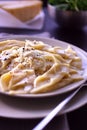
78 118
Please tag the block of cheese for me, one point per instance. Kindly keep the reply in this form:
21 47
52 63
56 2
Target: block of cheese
22 10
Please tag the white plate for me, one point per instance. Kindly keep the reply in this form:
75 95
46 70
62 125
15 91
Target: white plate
28 108
54 42
37 106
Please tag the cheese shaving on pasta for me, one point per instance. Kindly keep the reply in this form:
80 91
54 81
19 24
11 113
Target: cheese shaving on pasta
31 67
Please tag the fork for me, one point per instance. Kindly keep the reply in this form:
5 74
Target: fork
56 110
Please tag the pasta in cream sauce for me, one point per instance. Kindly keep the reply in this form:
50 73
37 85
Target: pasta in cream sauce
32 67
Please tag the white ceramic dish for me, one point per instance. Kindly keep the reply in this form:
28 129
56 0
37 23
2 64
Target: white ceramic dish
29 108
54 42
38 106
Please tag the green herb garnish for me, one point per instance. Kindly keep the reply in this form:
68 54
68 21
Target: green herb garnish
74 5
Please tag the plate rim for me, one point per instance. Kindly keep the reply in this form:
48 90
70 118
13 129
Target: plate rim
66 110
